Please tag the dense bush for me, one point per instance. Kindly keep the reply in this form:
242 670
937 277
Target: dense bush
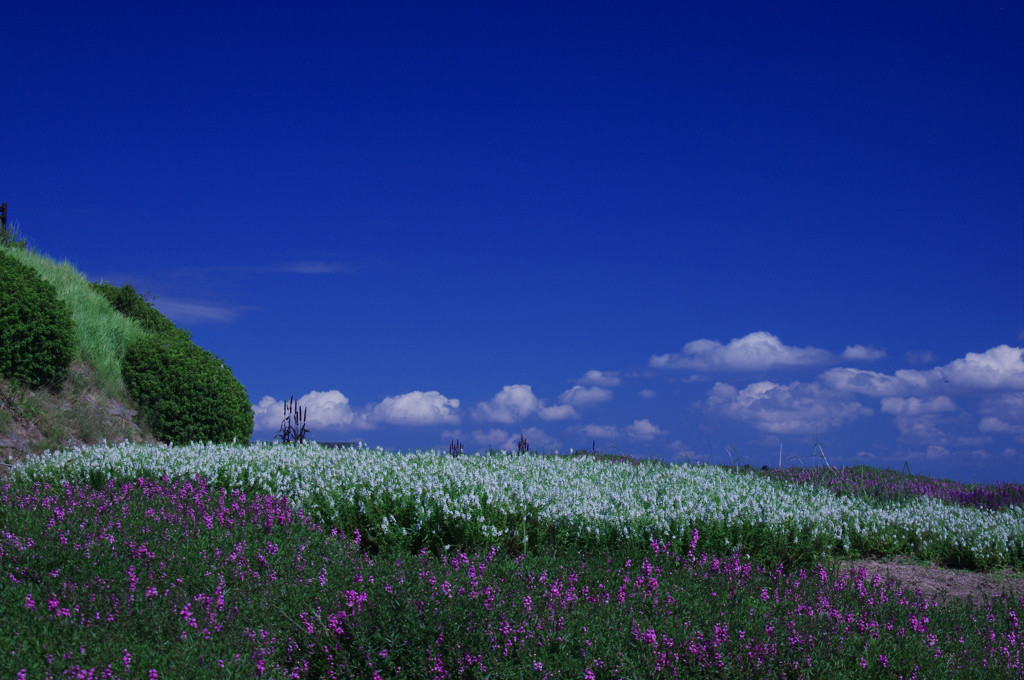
185 393
37 335
134 305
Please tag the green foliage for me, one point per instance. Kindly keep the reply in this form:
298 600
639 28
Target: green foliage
101 333
135 305
9 238
185 393
37 336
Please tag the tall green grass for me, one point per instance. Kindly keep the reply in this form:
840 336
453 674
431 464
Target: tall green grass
102 334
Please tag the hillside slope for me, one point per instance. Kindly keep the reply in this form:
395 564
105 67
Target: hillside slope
79 412
92 403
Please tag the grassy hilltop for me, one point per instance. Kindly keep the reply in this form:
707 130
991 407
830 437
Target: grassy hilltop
90 401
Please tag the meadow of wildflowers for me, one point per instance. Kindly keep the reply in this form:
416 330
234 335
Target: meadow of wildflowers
295 561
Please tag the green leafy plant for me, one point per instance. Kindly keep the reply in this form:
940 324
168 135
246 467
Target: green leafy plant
134 305
9 237
37 335
185 393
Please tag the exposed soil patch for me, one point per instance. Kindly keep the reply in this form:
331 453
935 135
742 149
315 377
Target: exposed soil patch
937 582
78 413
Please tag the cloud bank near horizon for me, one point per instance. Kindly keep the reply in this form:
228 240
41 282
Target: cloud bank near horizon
964 403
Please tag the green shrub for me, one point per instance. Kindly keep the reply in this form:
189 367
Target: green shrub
134 305
37 334
185 393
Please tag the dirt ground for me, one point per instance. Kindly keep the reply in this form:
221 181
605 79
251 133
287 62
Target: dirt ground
934 581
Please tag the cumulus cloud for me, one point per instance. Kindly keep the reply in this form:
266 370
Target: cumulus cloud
913 406
783 409
753 352
922 428
513 403
332 410
325 410
871 383
516 402
416 408
647 394
585 396
919 420
1003 414
863 353
644 430
600 378
1000 368
562 412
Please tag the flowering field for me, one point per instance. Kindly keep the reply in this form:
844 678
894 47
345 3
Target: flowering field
299 561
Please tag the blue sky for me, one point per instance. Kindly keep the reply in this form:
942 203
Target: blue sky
664 228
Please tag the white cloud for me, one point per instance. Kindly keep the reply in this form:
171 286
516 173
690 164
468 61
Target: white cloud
600 378
919 420
647 394
562 412
331 410
585 396
753 352
644 430
990 424
913 406
416 408
921 429
936 452
516 402
598 431
783 409
513 403
874 384
856 380
860 352
1003 414
1000 368
267 414
324 410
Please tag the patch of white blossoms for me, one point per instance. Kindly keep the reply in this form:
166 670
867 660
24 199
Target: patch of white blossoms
578 493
